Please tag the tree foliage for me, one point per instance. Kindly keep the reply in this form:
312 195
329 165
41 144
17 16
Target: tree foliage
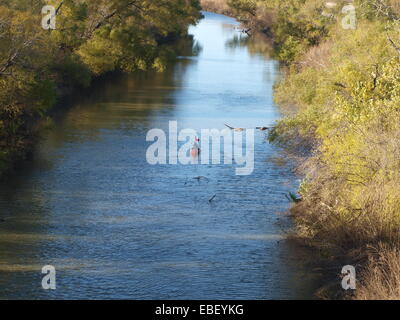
91 38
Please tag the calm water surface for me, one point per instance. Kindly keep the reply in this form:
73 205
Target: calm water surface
116 227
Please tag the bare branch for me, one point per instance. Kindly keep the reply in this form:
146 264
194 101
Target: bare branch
394 45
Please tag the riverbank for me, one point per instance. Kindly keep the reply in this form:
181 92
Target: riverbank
39 68
117 227
340 94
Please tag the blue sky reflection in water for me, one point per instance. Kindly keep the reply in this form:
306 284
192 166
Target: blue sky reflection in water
116 227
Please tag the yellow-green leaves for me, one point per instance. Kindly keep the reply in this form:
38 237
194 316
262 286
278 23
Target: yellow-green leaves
91 38
346 94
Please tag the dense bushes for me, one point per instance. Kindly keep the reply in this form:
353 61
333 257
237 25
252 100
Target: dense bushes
348 108
91 38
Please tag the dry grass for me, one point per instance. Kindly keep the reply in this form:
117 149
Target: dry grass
395 4
317 57
353 198
381 278
218 6
357 208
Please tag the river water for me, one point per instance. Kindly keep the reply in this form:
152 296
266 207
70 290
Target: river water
116 227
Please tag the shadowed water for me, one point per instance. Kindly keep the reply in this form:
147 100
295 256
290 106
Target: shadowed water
115 227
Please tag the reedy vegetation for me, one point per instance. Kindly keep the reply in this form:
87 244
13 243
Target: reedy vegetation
218 6
92 37
343 89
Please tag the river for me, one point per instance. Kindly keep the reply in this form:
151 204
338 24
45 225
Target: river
116 227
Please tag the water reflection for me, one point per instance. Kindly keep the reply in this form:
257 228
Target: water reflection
257 44
116 227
